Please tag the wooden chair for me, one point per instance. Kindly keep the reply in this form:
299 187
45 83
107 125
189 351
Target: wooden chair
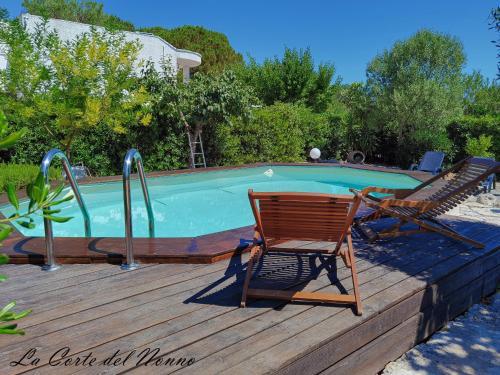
424 204
282 217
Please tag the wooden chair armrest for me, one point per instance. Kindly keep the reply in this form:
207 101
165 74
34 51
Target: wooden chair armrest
398 193
424 205
257 236
374 189
367 199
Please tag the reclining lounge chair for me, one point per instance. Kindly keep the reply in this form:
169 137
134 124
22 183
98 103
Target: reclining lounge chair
282 217
424 204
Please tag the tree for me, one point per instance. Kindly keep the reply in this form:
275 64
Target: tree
72 86
4 14
418 89
495 25
85 11
200 105
291 79
360 132
215 49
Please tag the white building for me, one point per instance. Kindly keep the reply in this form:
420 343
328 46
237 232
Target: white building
154 48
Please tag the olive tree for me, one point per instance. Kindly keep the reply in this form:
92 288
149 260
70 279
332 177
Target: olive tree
418 89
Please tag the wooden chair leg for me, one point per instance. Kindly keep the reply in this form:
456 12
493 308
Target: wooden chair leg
447 231
254 256
344 253
357 296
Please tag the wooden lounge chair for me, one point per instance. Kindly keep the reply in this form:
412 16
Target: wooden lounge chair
282 217
424 204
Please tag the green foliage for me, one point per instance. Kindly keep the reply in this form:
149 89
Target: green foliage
291 79
417 88
215 49
41 200
8 140
473 127
4 14
8 316
20 175
87 82
479 146
281 132
358 130
481 96
85 11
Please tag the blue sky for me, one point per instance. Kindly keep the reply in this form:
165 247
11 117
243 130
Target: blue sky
346 33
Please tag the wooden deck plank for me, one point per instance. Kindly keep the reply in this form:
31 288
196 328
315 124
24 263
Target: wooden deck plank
77 277
121 284
237 343
161 288
370 329
236 290
123 343
211 326
307 340
317 330
192 312
106 309
370 358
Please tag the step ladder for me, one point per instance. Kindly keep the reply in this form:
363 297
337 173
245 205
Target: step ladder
196 151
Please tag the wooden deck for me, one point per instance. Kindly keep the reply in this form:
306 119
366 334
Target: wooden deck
409 286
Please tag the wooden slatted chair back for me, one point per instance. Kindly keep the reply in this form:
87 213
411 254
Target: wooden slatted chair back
462 183
303 216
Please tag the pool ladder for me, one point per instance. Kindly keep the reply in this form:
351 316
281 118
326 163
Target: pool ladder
131 156
51 264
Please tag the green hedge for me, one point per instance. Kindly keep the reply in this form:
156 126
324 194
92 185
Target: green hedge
474 126
22 174
280 133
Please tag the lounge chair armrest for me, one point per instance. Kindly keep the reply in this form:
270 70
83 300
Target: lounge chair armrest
413 167
398 193
257 236
424 205
374 189
367 199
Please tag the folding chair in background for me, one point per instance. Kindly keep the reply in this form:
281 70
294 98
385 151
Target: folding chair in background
432 161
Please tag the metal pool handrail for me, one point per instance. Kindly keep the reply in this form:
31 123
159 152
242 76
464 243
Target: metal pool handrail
132 155
51 264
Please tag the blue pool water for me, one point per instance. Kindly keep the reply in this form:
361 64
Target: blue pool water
194 204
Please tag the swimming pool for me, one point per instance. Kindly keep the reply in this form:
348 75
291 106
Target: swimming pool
194 204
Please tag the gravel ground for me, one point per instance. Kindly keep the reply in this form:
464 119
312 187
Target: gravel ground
468 345
471 343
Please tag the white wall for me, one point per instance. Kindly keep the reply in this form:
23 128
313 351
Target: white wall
154 48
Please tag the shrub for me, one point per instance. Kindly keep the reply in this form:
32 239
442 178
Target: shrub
281 133
473 127
22 174
479 146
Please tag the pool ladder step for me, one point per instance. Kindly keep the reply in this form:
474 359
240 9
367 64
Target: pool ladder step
131 156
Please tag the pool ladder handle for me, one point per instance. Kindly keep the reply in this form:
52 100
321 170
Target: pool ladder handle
131 156
51 264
